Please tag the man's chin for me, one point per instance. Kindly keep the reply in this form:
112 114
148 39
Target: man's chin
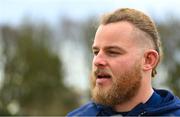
101 88
99 94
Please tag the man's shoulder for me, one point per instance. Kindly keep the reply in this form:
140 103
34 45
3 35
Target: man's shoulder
169 104
89 109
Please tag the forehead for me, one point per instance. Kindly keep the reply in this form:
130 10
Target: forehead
120 33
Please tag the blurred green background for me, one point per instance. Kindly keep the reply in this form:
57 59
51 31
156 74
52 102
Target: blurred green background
45 51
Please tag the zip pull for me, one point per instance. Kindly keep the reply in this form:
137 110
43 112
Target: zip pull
141 114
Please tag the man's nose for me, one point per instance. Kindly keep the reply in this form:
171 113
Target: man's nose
100 60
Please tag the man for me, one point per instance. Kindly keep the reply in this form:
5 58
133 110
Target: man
126 51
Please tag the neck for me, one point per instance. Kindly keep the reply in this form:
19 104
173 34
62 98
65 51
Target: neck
142 96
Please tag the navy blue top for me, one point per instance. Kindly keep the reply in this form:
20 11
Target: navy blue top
161 103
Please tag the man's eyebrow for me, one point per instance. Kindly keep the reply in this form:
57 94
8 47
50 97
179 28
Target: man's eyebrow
94 48
109 47
115 48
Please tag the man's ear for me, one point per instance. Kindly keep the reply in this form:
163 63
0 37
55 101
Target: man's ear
151 58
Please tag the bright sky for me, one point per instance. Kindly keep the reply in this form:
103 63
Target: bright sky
12 12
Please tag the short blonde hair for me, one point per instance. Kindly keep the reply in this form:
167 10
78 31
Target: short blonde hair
140 21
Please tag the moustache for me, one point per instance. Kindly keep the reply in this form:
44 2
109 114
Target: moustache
102 72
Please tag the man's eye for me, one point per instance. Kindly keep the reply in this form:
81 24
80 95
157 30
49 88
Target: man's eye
113 53
95 52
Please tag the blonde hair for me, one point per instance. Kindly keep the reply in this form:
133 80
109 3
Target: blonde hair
140 21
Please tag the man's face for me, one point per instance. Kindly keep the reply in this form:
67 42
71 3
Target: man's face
116 71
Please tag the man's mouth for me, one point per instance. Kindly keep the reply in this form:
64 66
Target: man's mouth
102 78
103 75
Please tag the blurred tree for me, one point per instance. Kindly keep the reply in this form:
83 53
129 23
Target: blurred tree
33 83
170 36
89 29
80 33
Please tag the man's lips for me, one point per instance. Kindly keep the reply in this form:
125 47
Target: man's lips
103 75
102 78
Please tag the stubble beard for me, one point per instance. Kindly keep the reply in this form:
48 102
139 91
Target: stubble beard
123 88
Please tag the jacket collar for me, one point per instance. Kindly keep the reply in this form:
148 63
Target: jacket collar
140 109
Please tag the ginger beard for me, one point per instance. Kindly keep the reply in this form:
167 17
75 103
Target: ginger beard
124 86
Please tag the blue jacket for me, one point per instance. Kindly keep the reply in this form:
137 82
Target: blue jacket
161 103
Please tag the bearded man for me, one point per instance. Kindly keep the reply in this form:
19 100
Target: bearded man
127 50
